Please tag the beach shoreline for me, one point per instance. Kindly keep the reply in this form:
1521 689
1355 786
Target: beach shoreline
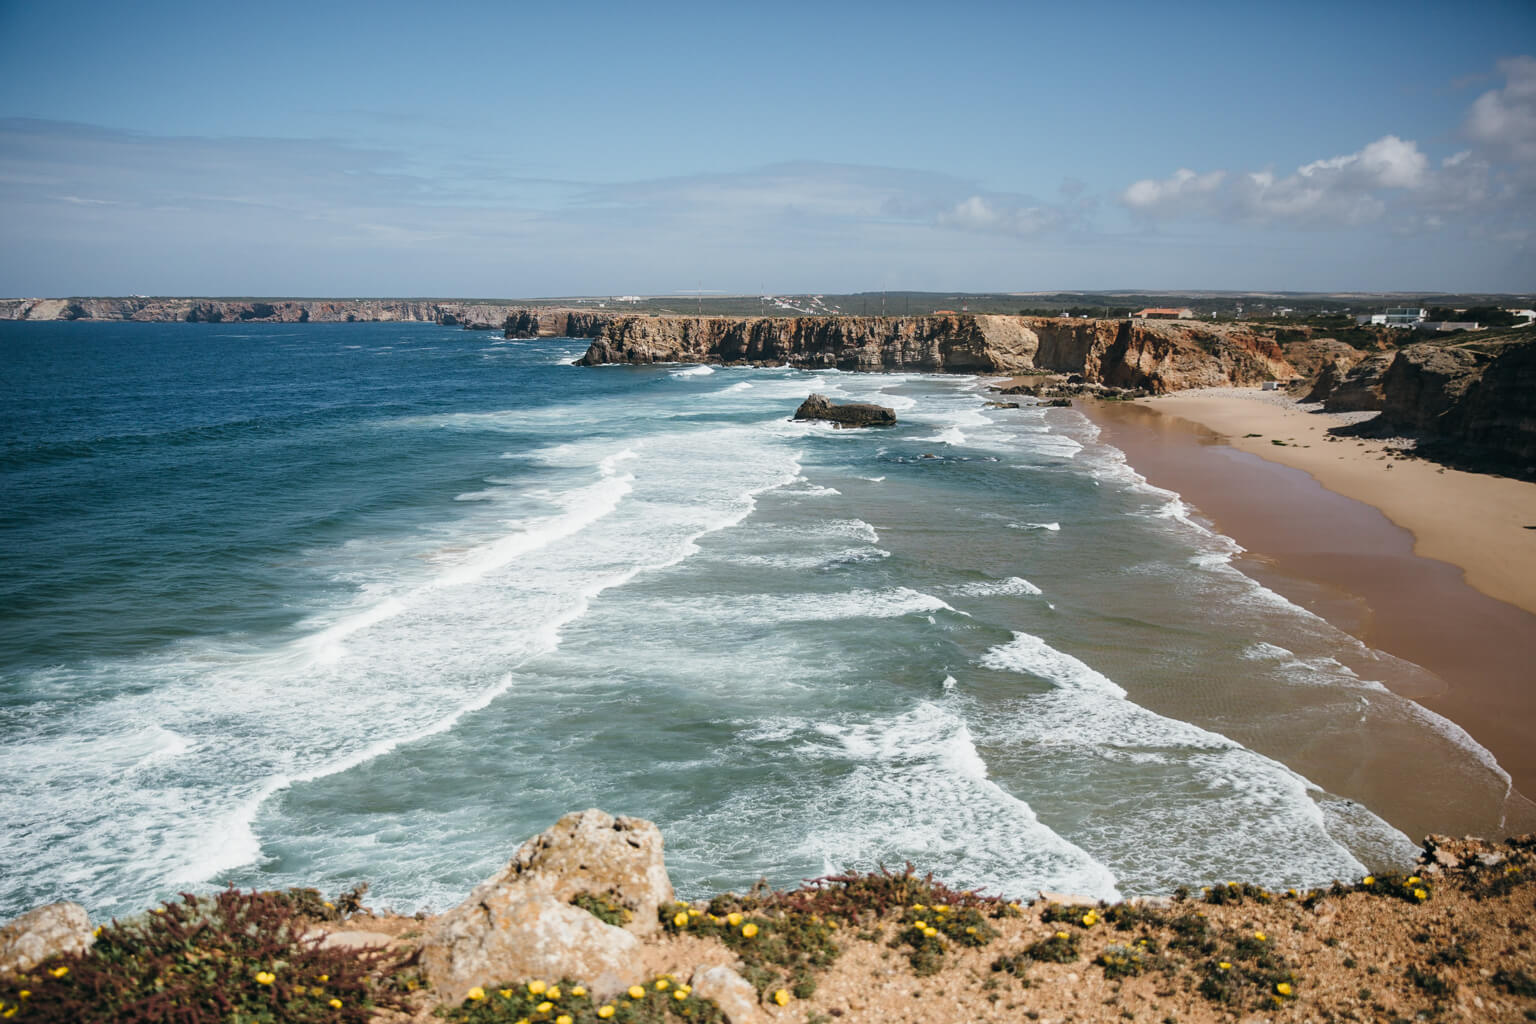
1426 564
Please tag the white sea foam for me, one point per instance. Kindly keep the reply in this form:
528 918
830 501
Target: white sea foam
811 606
1052 527
1013 586
1251 810
913 786
694 371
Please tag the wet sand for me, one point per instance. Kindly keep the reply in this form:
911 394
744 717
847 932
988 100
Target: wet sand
1346 561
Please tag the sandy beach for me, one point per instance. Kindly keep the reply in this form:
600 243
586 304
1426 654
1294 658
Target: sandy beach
1432 565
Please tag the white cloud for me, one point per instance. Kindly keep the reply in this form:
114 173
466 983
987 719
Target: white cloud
1333 190
1504 119
1185 188
1488 186
977 213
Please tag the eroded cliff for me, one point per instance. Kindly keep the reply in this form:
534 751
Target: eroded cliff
1158 356
479 316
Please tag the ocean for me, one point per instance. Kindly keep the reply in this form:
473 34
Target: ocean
320 604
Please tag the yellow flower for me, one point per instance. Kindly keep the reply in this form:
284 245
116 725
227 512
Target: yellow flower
1261 936
679 995
578 991
661 984
605 1011
1224 966
1061 935
329 905
919 924
918 906
749 929
506 993
1414 879
1420 894
60 971
564 1018
971 930
335 1004
265 977
636 992
553 993
781 997
537 988
477 993
733 919
693 912
1090 919
1368 880
1284 988
930 932
545 1006
685 989
97 932
681 920
325 977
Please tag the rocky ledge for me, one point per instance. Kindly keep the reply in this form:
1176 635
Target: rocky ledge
582 926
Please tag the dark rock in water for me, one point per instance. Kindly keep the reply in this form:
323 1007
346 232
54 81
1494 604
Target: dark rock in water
1058 403
852 414
1002 405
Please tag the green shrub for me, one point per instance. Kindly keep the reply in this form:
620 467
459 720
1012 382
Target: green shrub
663 1001
233 956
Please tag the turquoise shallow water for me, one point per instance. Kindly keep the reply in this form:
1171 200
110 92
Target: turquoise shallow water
326 603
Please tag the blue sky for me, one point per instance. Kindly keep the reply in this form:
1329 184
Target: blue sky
502 149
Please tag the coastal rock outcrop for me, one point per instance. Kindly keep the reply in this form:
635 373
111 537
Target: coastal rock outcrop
1158 356
555 323
144 309
42 933
522 923
847 414
1424 383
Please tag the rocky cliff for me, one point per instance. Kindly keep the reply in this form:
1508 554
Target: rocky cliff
479 316
1157 356
555 323
1468 403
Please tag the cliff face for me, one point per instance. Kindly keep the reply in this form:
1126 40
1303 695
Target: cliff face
160 310
555 323
1158 356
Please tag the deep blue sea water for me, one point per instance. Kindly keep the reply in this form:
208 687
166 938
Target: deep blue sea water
317 604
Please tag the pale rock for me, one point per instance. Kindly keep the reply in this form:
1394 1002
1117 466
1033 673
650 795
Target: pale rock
354 939
728 990
520 923
42 933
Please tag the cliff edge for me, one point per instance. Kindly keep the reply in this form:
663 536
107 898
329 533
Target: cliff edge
1158 356
582 926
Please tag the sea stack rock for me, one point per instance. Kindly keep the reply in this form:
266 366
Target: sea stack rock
851 414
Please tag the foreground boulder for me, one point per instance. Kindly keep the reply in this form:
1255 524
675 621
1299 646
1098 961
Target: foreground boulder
851 414
42 933
521 923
